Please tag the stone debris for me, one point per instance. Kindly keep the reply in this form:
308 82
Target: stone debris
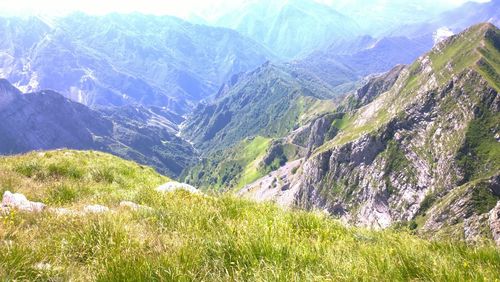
133 206
174 186
95 209
20 202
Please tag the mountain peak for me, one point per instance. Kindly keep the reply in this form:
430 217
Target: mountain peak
478 47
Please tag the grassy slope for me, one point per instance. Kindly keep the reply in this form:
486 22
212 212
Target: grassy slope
231 168
193 237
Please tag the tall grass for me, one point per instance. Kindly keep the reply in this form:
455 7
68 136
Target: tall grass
190 237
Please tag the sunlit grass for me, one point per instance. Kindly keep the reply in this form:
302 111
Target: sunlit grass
190 237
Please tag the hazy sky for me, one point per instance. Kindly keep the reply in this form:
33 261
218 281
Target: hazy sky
180 8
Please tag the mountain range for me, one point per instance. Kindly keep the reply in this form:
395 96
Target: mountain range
174 64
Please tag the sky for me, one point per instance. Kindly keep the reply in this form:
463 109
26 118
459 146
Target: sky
180 8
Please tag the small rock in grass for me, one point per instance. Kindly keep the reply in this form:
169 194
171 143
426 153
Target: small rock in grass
174 186
19 201
64 211
95 209
43 266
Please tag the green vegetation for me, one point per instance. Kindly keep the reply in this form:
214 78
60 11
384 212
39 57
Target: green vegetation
231 168
480 154
477 47
73 178
187 237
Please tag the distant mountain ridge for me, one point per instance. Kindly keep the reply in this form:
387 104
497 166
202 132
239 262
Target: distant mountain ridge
46 120
117 60
291 28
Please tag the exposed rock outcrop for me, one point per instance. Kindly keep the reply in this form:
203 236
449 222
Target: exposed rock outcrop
425 148
494 222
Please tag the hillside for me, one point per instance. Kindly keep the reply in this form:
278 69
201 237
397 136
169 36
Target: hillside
47 120
422 150
235 132
351 60
183 236
270 101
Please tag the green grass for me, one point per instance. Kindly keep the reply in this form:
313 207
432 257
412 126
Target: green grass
73 178
190 237
252 155
231 168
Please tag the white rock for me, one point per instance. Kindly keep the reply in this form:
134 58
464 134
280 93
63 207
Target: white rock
133 206
441 34
95 209
19 201
43 266
64 211
174 186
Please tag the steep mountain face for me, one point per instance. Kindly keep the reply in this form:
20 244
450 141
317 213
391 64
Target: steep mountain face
290 28
46 120
426 151
119 60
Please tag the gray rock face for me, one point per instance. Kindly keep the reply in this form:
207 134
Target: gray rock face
494 222
384 177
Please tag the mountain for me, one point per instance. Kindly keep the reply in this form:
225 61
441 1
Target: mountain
46 120
117 60
377 17
419 147
351 60
290 28
270 100
234 132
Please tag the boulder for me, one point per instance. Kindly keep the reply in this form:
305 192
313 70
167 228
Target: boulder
20 202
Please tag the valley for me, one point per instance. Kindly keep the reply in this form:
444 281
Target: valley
272 141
